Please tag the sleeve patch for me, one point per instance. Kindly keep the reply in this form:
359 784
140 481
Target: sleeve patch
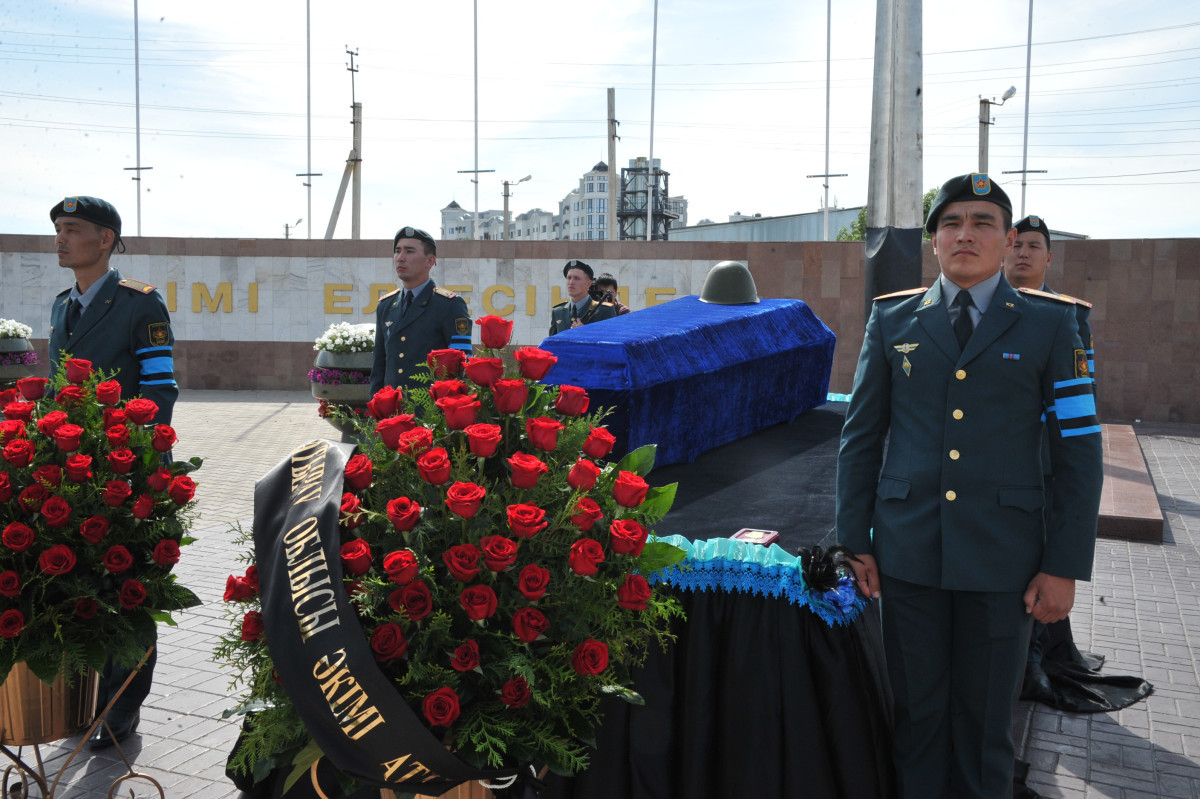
1081 364
462 326
159 333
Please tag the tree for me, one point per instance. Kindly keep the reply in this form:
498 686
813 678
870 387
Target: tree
858 230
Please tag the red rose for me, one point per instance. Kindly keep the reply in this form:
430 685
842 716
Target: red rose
526 520
391 428
8 395
485 371
599 443
356 555
498 552
116 492
11 623
586 557
460 410
533 582
494 331
590 657
466 656
164 438
479 602
401 566
526 469
10 584
252 577
78 370
543 432
118 436
461 559
238 589
441 707
56 512
166 552
510 395
114 416
628 537
51 422
403 513
464 499
387 642
483 439
79 468
6 491
33 497
108 392
529 624
434 466
49 475
416 600
32 388
446 363
535 363
587 513
634 592
358 472
20 411
159 479
94 529
68 436
141 411
385 403
415 442
86 608
17 537
252 626
440 389
583 475
629 490
117 559
70 396
13 429
19 452
121 461
351 515
571 401
181 489
132 594
515 692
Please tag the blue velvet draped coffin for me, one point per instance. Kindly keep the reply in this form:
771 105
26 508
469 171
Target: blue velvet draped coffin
689 375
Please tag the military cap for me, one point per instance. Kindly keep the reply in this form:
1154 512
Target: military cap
964 188
93 209
581 266
414 233
1034 224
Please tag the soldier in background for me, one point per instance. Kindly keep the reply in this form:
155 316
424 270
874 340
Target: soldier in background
580 308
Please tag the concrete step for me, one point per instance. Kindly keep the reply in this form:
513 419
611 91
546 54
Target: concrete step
1129 504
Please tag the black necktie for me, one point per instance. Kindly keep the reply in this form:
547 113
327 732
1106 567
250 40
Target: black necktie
963 326
73 314
405 301
574 311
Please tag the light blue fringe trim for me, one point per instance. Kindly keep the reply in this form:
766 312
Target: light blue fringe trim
729 565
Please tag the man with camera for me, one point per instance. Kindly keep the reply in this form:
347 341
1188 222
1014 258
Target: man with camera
582 307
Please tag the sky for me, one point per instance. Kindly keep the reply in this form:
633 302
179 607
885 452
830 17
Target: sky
739 107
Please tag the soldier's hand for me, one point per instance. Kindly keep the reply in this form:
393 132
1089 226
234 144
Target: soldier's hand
1049 598
576 323
866 575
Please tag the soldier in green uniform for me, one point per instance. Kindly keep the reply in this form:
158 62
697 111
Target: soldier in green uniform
116 323
949 527
580 309
416 318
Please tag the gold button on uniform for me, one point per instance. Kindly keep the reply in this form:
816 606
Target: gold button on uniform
951 496
953 454
402 338
961 374
401 355
957 414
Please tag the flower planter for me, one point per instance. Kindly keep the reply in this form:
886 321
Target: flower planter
345 394
12 372
32 712
362 361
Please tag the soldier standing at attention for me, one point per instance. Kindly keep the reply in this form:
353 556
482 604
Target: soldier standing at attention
580 308
122 324
949 528
416 318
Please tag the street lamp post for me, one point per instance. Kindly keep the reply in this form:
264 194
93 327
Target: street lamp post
985 119
507 194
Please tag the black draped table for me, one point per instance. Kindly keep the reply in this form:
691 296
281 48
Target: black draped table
773 690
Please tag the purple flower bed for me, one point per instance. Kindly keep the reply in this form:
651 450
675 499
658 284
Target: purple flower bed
18 358
338 377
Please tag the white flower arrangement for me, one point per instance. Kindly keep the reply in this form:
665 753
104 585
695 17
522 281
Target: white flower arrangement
11 328
345 337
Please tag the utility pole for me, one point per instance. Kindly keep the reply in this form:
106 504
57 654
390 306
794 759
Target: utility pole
985 120
353 165
308 174
613 232
137 115
507 193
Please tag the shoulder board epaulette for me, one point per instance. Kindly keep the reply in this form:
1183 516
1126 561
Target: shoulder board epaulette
895 294
1076 300
1049 295
391 293
136 285
562 304
447 293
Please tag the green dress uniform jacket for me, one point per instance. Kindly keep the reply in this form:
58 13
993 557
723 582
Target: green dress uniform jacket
126 327
560 315
957 504
436 320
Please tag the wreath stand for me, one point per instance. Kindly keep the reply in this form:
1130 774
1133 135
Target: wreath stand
19 788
